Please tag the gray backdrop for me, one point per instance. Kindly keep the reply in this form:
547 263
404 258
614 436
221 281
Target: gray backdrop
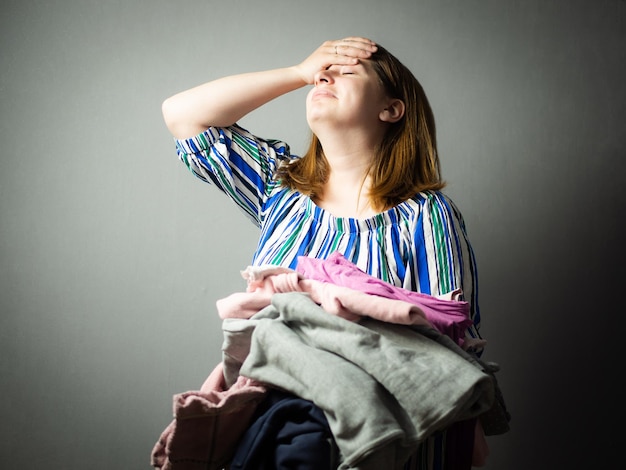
112 255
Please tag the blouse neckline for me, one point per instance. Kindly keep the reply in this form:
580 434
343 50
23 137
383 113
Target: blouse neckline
353 224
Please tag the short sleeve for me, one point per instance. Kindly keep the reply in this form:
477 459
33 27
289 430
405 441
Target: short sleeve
240 164
447 261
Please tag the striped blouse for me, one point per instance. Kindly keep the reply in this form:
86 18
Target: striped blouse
421 244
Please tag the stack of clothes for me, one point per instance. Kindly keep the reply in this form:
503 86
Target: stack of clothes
326 367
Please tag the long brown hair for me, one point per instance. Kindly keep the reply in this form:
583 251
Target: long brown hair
406 161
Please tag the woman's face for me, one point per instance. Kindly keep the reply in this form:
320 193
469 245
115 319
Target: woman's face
346 96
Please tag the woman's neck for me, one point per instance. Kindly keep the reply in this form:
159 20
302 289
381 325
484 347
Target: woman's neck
346 191
350 158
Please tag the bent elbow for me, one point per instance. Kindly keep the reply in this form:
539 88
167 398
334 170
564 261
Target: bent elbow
177 119
170 116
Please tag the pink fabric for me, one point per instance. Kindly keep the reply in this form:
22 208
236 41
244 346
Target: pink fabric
258 294
446 313
207 424
338 300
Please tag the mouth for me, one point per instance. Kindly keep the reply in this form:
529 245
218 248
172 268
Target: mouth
322 93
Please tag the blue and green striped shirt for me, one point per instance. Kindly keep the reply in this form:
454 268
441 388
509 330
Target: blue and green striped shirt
421 244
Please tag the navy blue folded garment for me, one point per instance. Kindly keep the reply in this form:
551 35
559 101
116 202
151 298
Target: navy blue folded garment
288 433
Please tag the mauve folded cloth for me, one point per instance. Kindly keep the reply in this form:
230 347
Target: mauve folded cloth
207 424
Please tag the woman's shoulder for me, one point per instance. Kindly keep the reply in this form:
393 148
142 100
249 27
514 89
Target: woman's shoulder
432 199
435 204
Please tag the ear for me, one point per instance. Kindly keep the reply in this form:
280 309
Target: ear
393 112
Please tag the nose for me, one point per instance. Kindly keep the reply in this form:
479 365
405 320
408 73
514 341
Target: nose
324 76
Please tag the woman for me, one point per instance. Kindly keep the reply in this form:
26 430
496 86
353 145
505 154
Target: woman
368 186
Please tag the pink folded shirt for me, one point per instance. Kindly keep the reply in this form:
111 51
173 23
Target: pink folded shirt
446 313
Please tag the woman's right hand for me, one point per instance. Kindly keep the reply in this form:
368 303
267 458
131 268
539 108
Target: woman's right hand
347 51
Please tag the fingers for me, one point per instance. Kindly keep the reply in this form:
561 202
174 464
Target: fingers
355 47
357 41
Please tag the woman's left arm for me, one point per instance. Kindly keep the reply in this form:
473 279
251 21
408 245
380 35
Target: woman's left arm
449 253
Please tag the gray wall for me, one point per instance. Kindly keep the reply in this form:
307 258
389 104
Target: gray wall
112 255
